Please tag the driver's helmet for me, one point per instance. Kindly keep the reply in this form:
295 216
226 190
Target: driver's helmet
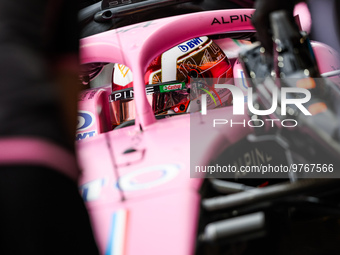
174 81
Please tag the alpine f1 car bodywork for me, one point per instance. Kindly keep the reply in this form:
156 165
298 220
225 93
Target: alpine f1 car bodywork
136 180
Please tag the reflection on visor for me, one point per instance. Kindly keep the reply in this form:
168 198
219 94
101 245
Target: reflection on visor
162 97
208 61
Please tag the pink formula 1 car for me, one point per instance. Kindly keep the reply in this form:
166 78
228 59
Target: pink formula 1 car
144 145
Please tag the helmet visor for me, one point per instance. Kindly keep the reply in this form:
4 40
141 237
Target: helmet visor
162 97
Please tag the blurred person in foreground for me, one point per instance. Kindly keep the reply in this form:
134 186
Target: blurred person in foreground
41 209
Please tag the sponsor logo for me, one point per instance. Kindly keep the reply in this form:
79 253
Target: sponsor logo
88 95
85 120
135 180
231 19
91 191
128 94
124 70
82 136
185 47
171 87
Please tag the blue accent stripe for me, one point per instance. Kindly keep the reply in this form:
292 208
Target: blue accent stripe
112 235
243 83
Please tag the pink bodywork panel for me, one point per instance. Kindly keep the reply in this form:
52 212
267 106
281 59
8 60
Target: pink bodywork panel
136 184
157 200
93 115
